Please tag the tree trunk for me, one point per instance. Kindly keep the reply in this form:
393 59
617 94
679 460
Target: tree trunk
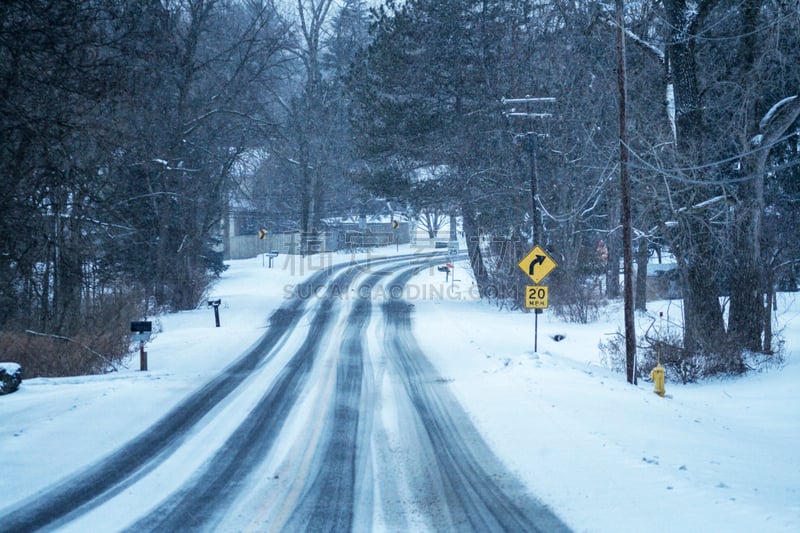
747 319
642 256
472 235
746 314
768 307
704 329
612 242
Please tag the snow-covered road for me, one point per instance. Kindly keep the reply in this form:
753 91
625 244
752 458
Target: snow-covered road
717 456
334 421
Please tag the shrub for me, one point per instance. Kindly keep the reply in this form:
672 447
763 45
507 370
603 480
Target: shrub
53 356
576 300
678 366
10 377
100 343
683 367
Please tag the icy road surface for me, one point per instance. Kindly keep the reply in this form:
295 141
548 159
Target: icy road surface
335 421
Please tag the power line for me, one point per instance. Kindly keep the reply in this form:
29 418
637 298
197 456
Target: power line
679 173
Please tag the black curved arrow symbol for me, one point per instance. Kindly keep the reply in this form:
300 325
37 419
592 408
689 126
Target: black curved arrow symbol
539 260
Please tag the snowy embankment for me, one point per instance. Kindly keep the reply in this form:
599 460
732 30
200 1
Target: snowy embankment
604 455
608 456
53 427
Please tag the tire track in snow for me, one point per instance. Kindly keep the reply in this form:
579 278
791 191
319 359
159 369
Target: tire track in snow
200 504
97 483
100 481
328 502
204 503
481 495
476 492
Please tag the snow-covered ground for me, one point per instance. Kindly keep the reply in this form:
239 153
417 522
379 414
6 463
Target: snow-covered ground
606 456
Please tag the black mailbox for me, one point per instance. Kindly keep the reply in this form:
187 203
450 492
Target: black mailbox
215 305
141 330
141 326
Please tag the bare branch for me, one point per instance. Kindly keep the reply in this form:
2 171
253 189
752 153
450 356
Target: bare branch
63 338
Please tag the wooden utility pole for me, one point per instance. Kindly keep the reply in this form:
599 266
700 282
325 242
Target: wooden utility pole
625 190
537 231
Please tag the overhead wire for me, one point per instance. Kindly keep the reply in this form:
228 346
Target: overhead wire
679 173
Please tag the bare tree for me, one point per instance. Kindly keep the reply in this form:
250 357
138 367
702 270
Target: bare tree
432 220
121 124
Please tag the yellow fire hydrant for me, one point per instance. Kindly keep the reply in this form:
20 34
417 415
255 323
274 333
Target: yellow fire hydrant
657 374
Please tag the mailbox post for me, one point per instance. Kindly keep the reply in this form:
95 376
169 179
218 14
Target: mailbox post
446 270
215 305
141 332
272 255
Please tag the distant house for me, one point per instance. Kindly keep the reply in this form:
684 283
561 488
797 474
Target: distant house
245 235
663 281
360 232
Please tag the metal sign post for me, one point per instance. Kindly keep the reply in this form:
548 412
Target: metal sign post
395 226
452 252
262 235
537 264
